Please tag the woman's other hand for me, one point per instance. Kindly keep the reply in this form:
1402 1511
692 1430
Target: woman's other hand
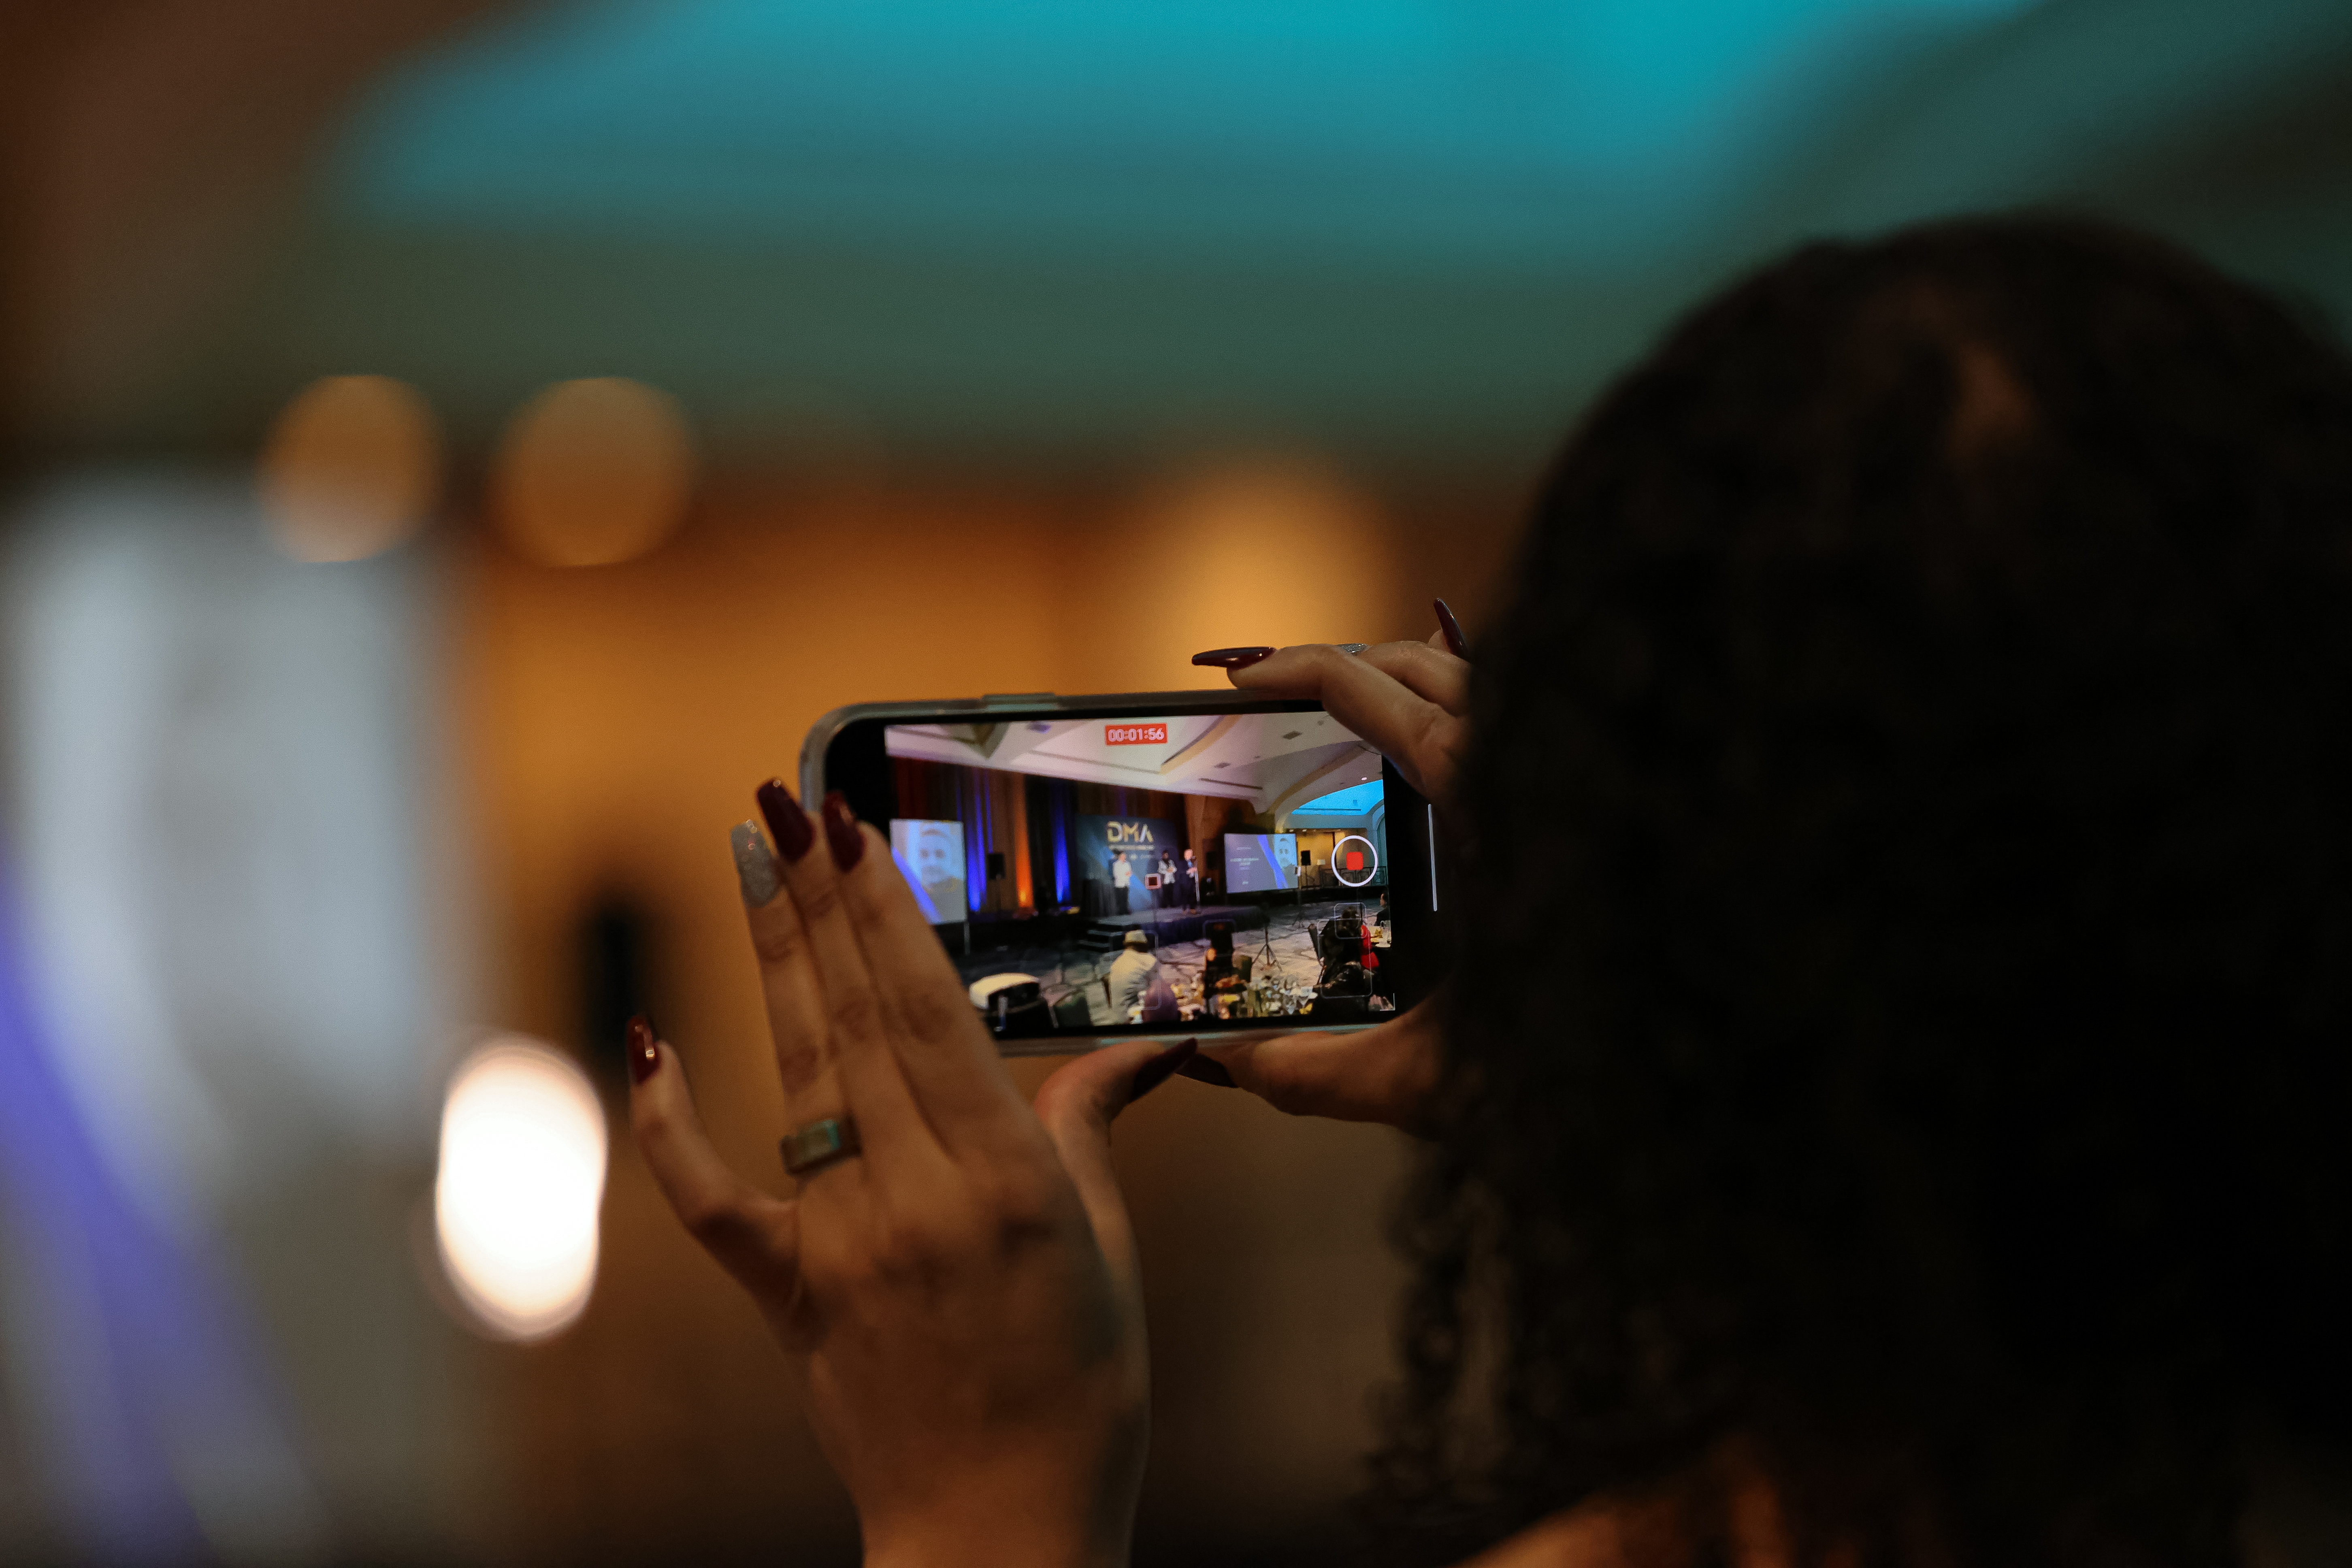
961 1298
1383 1074
1411 701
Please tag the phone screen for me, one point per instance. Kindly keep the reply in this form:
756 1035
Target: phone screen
1105 873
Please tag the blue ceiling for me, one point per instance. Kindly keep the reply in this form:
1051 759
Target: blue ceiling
1410 132
1404 231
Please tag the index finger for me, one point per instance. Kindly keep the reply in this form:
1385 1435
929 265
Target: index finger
796 1022
951 1063
1423 736
1425 670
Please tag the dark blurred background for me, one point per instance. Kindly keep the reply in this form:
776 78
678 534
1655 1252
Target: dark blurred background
454 449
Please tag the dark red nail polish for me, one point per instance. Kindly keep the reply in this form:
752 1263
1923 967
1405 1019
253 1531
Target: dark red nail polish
644 1059
1232 658
841 832
1209 1070
788 825
1155 1072
1455 640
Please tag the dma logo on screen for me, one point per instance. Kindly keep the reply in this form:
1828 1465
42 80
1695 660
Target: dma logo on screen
1128 833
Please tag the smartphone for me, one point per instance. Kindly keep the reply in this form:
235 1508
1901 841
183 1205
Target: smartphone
1149 863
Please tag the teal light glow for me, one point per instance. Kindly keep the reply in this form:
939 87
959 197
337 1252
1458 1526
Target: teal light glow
1425 130
1400 232
1354 801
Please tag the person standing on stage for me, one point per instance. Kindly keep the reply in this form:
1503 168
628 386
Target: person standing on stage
1191 883
1121 874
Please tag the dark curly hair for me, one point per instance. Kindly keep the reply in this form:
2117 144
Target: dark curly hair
1903 1024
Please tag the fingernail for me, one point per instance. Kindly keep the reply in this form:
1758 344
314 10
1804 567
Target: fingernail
755 869
1351 648
786 821
1232 658
644 1058
841 832
1451 628
1154 1073
1209 1071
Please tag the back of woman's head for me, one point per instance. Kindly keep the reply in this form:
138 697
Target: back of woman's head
1902 1028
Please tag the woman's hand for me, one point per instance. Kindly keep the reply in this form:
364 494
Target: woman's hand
1385 1073
961 1299
1411 701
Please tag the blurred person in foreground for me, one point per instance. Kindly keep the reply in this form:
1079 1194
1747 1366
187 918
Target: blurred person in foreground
1934 666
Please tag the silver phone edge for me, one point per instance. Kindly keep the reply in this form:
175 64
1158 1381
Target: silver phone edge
1079 1045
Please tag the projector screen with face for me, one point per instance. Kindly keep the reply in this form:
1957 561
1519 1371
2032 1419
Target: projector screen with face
930 855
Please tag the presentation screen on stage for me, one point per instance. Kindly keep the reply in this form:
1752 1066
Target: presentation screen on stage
1261 862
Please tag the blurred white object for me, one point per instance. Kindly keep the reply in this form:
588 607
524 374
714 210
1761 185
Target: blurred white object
221 783
521 1181
218 792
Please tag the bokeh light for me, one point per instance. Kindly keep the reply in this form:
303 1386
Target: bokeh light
593 472
1296 551
352 467
520 1184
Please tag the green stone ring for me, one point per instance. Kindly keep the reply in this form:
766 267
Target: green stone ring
818 1144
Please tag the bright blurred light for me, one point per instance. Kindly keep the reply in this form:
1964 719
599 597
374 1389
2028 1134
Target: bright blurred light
593 472
352 467
522 1179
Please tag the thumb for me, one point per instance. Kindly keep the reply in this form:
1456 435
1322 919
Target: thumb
1077 1105
1386 1073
